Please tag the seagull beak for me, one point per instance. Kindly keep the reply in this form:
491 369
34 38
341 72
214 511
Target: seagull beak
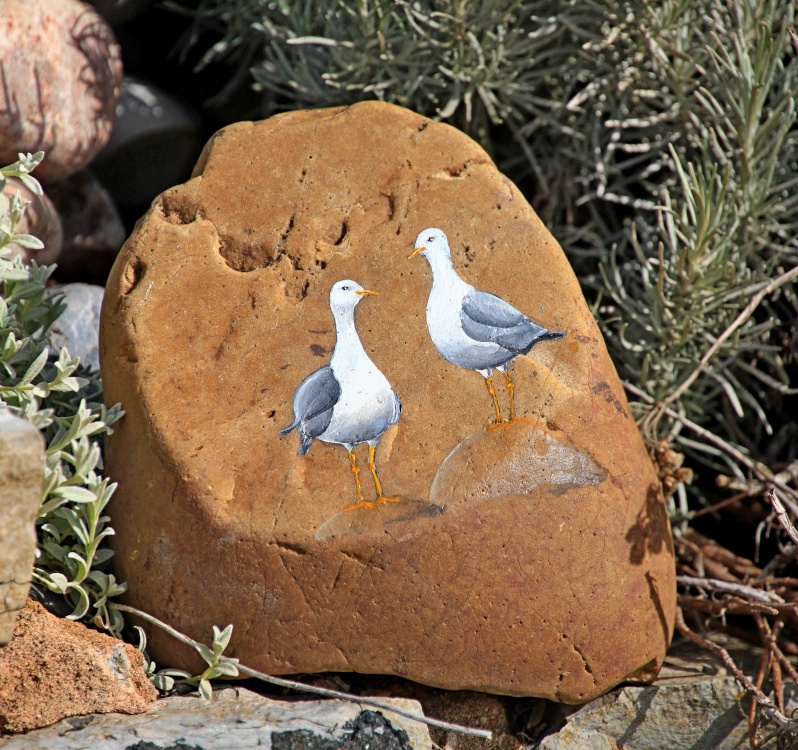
416 252
361 292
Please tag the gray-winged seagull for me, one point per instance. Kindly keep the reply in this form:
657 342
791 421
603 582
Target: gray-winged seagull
474 329
349 401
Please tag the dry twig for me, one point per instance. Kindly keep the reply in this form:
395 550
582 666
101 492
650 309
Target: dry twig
302 687
764 702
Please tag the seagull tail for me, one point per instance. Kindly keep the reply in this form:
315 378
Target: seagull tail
290 427
550 336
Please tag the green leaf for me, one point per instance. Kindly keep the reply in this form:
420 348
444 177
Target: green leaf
35 368
162 682
27 241
205 653
75 494
205 690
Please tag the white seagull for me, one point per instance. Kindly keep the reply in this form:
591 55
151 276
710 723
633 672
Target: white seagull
474 329
349 401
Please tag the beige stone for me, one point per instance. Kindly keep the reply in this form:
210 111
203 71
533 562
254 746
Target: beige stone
531 560
61 70
21 475
55 668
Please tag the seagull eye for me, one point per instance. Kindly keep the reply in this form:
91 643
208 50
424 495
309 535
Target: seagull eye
344 288
430 239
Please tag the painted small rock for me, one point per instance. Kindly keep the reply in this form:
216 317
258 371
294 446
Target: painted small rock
528 552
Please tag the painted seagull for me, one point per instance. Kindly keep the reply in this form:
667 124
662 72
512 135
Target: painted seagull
474 329
349 401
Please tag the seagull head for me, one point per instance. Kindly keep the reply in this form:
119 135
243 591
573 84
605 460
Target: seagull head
345 294
431 242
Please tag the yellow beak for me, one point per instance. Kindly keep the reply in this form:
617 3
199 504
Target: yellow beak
366 291
416 252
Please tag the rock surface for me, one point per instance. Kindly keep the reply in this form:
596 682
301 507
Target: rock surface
21 475
93 229
78 327
700 712
55 668
41 219
531 560
238 718
61 72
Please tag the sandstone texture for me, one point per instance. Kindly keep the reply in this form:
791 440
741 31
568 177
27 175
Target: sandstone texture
61 69
237 718
55 668
533 560
21 476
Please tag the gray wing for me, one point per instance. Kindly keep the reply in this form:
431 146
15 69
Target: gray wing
314 400
486 317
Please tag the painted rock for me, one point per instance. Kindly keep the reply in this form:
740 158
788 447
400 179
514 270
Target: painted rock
61 74
526 558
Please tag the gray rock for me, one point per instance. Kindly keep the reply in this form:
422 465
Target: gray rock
21 473
78 328
685 709
236 718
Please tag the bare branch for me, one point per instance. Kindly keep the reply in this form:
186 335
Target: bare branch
746 313
711 584
766 704
302 687
781 514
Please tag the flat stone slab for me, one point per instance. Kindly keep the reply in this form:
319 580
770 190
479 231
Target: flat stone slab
236 719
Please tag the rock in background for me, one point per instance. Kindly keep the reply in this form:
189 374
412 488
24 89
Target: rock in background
61 73
55 668
92 227
21 476
557 584
78 327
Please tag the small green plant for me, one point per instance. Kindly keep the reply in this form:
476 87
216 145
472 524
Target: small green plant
64 400
218 665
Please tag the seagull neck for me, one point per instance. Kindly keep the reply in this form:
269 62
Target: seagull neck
443 272
346 338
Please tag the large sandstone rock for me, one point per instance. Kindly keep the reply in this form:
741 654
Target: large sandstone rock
54 668
61 70
534 560
21 476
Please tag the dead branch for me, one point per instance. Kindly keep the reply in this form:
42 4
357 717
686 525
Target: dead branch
302 687
764 702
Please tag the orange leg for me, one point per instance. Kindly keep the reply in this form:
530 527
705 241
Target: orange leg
361 503
381 499
511 391
492 391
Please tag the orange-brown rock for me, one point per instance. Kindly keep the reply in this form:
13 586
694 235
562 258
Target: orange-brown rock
55 668
531 560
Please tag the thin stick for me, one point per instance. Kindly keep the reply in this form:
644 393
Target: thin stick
757 468
765 702
781 514
302 687
746 313
768 597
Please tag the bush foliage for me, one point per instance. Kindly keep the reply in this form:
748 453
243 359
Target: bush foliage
658 140
63 399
